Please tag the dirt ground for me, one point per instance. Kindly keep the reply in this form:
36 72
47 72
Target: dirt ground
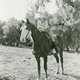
20 64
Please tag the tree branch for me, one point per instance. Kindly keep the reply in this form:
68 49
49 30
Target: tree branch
75 4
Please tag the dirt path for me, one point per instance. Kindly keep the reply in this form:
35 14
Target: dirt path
20 64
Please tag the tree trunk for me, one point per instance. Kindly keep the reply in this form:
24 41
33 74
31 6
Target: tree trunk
67 49
77 49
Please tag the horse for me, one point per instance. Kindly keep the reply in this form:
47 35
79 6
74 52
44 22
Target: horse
43 46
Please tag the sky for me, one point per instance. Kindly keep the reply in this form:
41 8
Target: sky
18 8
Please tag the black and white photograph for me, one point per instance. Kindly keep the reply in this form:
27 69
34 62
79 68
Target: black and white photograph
39 39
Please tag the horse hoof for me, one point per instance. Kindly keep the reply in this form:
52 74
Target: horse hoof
58 73
63 73
45 78
37 79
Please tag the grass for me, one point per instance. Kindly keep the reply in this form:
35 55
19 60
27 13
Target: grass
4 78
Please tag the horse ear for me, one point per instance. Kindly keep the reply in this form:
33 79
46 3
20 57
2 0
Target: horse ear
23 21
28 21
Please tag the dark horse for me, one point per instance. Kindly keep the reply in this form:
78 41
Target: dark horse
43 46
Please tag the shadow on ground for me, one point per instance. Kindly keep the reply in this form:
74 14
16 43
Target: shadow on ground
56 77
72 75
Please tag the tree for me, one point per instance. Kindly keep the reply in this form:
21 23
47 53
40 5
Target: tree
11 30
1 31
75 4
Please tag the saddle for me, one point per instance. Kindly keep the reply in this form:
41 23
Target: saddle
53 44
55 37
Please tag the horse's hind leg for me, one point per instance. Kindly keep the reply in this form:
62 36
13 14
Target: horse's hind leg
45 67
38 65
61 59
57 59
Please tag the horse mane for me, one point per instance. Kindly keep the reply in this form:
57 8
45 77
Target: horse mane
35 27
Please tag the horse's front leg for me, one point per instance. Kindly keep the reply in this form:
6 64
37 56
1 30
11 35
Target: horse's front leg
45 67
38 66
61 58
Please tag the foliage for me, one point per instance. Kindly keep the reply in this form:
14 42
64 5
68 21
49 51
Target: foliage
75 3
12 30
1 30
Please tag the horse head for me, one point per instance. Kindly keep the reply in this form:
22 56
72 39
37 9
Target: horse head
30 26
25 32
